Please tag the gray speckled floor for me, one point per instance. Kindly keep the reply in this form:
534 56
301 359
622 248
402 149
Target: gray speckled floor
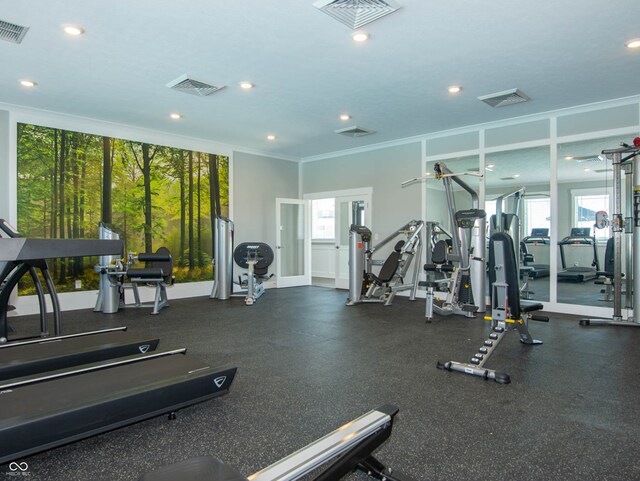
306 364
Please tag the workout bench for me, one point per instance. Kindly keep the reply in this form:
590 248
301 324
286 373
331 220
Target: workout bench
508 312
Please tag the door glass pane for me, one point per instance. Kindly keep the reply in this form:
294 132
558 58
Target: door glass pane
345 223
292 239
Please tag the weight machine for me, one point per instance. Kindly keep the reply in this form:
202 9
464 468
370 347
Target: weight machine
256 257
627 159
364 285
462 263
113 270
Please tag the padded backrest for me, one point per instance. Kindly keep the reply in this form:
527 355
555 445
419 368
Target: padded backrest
608 256
165 265
256 251
399 245
389 267
440 251
504 242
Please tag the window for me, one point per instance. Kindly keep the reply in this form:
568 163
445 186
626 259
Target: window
537 214
323 214
584 213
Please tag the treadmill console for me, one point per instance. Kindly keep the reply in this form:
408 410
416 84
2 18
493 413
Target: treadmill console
539 232
581 232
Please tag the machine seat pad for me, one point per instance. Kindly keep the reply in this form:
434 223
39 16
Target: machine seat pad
439 267
145 273
204 468
530 306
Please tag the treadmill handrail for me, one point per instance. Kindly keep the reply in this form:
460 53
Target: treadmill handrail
93 367
46 340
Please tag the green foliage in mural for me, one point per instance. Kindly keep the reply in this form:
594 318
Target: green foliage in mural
153 195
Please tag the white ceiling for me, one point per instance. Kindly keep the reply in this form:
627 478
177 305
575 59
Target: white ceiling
307 70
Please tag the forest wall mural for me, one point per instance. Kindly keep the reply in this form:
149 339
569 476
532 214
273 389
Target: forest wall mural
153 195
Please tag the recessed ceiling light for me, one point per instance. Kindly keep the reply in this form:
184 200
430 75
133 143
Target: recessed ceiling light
73 30
271 137
176 116
587 169
345 117
515 176
360 37
427 174
568 157
27 83
455 89
246 85
490 166
635 43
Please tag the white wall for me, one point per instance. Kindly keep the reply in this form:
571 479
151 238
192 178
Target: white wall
258 181
383 170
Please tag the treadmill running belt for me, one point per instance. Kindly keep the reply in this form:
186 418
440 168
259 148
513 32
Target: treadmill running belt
43 415
45 356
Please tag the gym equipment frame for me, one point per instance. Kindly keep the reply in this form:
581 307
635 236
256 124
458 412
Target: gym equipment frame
112 271
348 448
507 311
624 158
467 270
367 287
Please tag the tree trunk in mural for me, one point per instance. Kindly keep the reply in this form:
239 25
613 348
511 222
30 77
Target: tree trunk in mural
191 246
183 208
199 227
145 168
214 196
146 173
106 181
75 179
61 196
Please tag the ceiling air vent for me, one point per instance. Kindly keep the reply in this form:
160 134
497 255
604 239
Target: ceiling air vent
355 131
356 13
502 99
12 32
193 87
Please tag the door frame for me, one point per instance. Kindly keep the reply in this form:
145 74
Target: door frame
367 192
305 278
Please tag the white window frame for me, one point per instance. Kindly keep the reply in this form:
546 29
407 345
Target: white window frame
575 193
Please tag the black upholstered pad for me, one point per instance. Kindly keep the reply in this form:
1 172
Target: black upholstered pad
530 306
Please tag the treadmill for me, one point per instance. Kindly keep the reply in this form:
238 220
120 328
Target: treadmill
45 411
539 236
579 236
37 356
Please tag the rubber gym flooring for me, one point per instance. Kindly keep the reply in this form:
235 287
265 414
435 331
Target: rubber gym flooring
307 364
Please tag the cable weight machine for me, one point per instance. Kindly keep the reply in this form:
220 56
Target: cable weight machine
627 159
